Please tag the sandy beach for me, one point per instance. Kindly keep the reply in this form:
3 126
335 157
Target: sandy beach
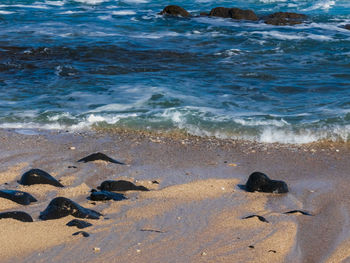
195 207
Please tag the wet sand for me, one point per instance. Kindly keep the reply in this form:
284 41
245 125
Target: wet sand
195 212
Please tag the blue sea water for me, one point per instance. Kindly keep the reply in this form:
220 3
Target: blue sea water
74 64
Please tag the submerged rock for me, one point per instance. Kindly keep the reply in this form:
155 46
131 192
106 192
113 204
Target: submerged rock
347 26
79 223
121 185
19 197
260 182
284 18
174 10
99 157
61 207
37 176
234 13
17 215
106 195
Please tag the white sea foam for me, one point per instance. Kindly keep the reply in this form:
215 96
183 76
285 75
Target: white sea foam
123 13
3 12
156 35
55 3
294 36
135 1
91 2
271 1
36 6
322 4
258 122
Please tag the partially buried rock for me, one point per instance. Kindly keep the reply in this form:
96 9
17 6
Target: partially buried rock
305 213
106 195
284 18
174 10
37 176
17 215
120 185
79 223
234 13
99 157
261 218
85 234
61 207
19 197
260 182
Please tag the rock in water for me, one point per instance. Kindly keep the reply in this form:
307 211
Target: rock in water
17 215
78 223
260 182
347 26
61 207
37 176
99 157
106 195
234 13
121 185
174 10
19 197
284 18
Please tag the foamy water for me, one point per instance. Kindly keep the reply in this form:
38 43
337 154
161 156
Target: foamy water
75 64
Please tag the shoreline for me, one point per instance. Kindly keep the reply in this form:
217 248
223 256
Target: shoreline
197 205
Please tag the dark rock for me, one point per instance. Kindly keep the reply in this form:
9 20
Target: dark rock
78 223
251 246
234 13
284 18
174 10
19 197
72 166
203 14
261 218
121 185
99 157
106 195
17 215
85 234
61 207
347 26
155 182
259 182
305 213
37 176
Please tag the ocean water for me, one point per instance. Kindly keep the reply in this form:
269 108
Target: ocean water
76 64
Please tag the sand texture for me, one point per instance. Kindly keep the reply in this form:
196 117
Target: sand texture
195 209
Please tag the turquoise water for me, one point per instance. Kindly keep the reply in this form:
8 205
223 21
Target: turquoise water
73 64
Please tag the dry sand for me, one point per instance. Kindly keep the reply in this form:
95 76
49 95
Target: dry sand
195 212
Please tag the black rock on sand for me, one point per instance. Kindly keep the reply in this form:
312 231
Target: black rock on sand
121 185
37 176
17 215
19 197
260 182
61 207
78 223
99 157
105 195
